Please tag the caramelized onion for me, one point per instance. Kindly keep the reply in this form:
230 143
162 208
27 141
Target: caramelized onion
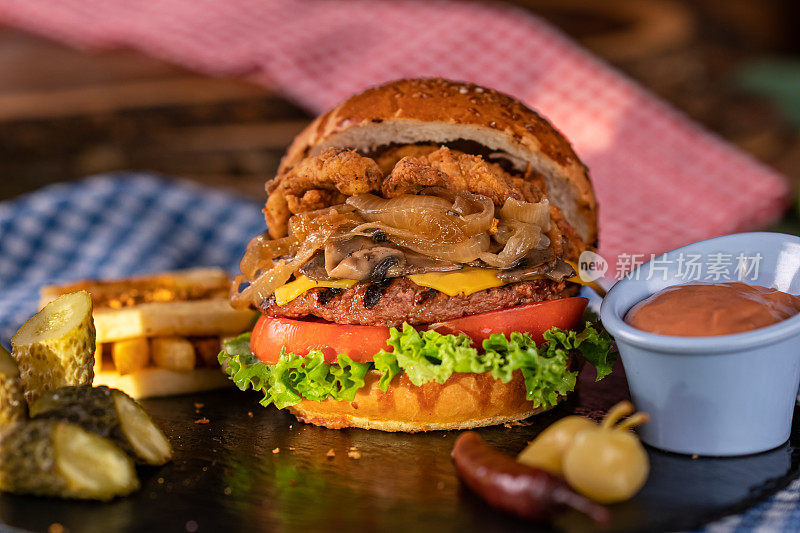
433 217
477 211
260 253
304 224
537 214
441 224
264 285
307 236
430 216
521 238
441 192
371 205
458 252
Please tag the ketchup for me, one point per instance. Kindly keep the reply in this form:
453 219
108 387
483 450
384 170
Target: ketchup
701 309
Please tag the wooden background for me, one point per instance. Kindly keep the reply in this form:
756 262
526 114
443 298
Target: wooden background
65 114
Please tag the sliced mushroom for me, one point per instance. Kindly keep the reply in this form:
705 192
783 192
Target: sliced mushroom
362 258
338 250
372 264
420 264
538 263
314 268
561 271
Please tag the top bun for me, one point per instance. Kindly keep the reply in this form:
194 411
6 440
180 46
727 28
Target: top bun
440 111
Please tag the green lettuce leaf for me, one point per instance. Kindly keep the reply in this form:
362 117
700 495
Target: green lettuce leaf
425 356
293 377
594 345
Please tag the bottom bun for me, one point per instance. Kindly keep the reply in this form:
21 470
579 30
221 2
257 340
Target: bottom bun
154 382
463 401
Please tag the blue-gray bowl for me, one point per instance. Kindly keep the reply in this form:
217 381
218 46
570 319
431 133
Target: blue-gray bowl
716 395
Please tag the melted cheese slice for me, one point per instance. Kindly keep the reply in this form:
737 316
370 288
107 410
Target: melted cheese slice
577 279
470 280
466 281
293 289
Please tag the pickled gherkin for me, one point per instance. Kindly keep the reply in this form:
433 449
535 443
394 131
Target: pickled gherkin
53 458
56 346
12 401
109 413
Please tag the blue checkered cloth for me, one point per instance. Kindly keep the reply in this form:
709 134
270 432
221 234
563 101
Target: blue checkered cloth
114 225
131 223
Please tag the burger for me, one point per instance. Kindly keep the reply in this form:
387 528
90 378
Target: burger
419 267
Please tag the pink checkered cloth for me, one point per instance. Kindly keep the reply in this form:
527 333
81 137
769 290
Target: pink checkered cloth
661 180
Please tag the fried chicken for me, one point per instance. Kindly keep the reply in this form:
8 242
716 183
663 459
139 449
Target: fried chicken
388 158
314 199
330 177
452 170
532 186
276 213
317 182
342 170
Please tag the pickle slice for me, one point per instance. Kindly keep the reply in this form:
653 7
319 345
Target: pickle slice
52 458
8 367
147 440
109 413
93 467
12 401
56 346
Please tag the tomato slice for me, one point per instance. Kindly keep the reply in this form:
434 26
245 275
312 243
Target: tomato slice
361 343
535 318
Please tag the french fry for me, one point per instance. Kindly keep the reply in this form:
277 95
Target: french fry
180 316
103 359
153 382
173 353
166 286
130 355
194 318
185 303
207 349
98 357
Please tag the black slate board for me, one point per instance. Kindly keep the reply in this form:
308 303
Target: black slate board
225 477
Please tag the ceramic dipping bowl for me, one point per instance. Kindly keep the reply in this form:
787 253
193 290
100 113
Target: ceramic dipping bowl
716 395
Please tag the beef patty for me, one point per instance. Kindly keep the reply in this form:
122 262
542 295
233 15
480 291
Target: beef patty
398 300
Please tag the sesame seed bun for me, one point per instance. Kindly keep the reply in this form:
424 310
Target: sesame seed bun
440 111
